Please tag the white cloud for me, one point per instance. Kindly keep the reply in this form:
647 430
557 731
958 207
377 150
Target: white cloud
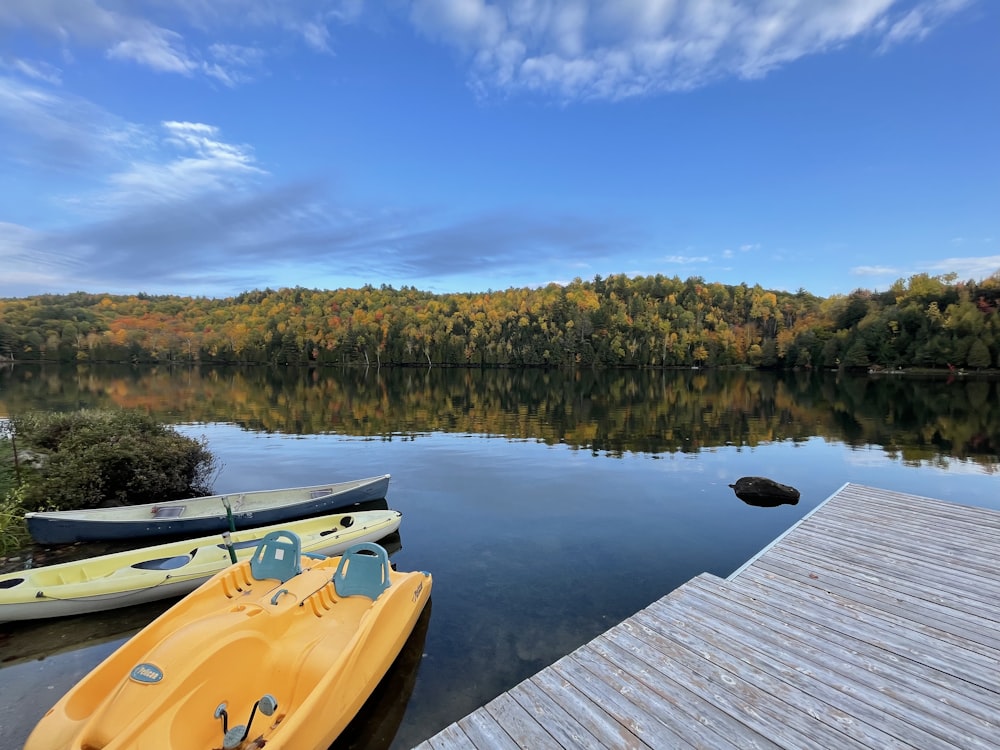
49 128
967 268
29 265
316 35
874 271
613 49
182 207
125 32
570 49
159 49
685 259
15 240
474 25
122 35
919 21
975 268
237 55
198 162
39 71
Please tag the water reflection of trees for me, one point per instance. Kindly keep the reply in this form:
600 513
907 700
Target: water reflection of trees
603 411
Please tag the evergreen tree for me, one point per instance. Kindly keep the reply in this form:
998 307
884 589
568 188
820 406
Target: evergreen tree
979 355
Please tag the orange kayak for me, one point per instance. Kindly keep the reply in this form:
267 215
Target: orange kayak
280 650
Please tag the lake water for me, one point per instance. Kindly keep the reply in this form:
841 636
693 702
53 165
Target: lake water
548 505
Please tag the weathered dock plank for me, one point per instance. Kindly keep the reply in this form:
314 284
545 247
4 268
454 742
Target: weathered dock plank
770 708
805 687
909 559
452 738
519 724
872 623
632 706
560 723
606 729
974 707
484 731
885 691
647 664
929 644
808 572
663 696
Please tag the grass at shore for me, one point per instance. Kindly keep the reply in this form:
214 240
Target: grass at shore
13 530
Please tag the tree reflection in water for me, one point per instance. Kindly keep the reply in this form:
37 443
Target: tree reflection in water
605 411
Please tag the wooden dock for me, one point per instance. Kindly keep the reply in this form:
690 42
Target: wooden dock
872 623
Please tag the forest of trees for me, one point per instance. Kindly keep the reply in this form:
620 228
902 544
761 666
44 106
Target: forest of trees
618 321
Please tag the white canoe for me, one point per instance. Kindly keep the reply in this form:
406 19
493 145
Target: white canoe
125 578
201 515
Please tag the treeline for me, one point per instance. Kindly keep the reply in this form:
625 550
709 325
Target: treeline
618 321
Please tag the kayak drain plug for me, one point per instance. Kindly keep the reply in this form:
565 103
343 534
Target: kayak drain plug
233 738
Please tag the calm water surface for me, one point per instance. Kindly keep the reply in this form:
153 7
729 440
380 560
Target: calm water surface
548 506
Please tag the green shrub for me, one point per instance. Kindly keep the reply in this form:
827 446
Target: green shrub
90 459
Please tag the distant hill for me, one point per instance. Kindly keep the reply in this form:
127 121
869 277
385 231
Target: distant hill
618 321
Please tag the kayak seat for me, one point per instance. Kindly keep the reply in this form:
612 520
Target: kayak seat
278 556
363 571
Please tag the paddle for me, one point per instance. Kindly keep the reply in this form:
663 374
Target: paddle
227 535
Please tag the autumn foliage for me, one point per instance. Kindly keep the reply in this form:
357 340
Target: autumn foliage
618 321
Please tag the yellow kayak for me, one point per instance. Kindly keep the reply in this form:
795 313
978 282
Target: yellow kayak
168 570
280 651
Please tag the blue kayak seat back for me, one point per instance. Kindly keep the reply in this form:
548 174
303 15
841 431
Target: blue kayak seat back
277 556
363 571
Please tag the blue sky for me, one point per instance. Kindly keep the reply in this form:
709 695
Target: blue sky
207 147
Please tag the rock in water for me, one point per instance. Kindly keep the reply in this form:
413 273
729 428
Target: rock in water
764 493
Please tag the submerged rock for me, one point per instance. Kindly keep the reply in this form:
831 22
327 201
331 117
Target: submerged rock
764 493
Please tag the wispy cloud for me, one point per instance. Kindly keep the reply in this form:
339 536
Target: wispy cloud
121 34
36 70
185 208
685 260
567 49
159 49
198 162
614 49
217 243
918 22
179 205
975 268
128 33
234 64
128 163
28 264
874 271
53 129
148 193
